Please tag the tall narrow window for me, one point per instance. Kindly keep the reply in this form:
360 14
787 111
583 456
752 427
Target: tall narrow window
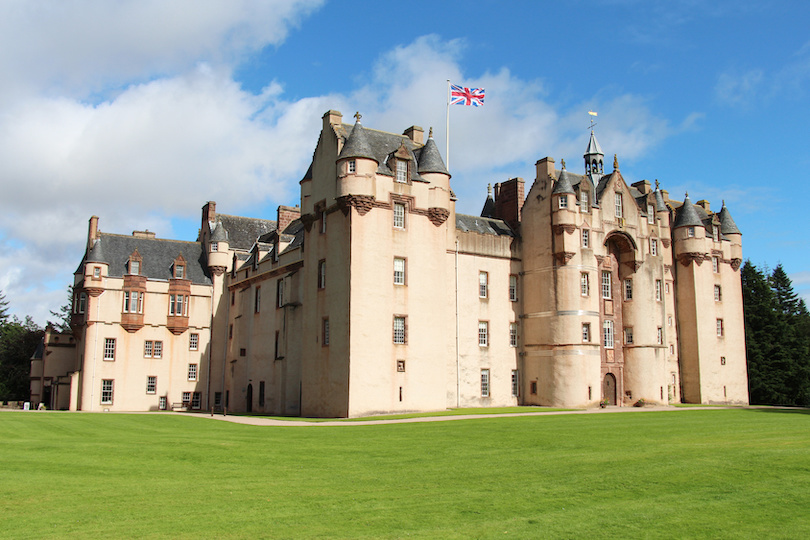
399 216
586 332
690 232
399 330
402 171
563 201
261 393
399 271
134 267
109 349
192 372
618 200
484 383
653 246
322 274
628 289
716 265
196 400
720 330
280 293
483 280
147 349
80 303
151 384
158 349
715 233
515 383
607 334
352 166
658 291
179 271
193 341
325 332
718 293
606 289
483 333
660 336
586 238
257 300
650 214
107 391
513 335
584 284
584 205
323 222
628 335
513 292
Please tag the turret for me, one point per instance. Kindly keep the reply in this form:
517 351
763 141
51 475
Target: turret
356 164
729 229
218 247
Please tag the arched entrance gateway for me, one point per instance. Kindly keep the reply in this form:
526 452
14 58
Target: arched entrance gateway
616 287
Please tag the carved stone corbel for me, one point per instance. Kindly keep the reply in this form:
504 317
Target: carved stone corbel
437 215
564 256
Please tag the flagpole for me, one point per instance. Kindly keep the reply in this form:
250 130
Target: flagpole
447 127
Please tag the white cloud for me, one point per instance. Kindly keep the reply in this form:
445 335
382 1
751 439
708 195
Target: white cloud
738 89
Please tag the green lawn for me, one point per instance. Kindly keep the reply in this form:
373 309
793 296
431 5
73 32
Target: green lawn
698 473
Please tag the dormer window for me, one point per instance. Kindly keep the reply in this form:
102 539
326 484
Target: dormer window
179 271
650 214
715 233
584 203
402 171
618 201
351 166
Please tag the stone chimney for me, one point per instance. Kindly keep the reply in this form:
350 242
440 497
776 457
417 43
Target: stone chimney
144 234
92 232
545 168
286 215
209 212
416 134
643 186
509 197
332 118
704 204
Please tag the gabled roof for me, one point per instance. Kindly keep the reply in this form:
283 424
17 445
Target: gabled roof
483 225
158 257
244 231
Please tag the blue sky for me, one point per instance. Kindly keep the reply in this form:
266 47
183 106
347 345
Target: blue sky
140 112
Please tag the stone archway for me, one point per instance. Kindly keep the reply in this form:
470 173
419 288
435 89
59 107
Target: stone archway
609 389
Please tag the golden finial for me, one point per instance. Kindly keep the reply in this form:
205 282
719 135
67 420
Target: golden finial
489 190
656 184
686 196
358 116
615 163
430 133
562 164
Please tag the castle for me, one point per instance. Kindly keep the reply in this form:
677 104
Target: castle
374 296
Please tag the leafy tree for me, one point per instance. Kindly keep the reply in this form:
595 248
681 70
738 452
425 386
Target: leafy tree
62 323
18 341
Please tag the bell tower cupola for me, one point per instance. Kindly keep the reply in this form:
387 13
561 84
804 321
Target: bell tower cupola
594 157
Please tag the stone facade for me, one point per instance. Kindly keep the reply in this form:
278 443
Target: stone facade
374 296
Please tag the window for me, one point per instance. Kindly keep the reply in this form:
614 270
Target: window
584 205
352 166
233 298
715 233
133 302
483 333
399 216
158 349
107 391
722 360
650 214
399 271
192 372
196 400
718 293
163 403
179 271
401 366
151 384
586 238
399 330
607 334
402 171
152 349
720 332
618 201
563 201
483 280
193 342
242 352
147 349
690 232
257 300
214 246
217 399
669 320
515 383
134 267
513 335
261 393
660 336
533 387
628 289
584 284
186 399
275 350
606 293
513 294
484 383
178 305
666 287
323 222
586 332
325 332
671 348
653 246
716 265
322 274
658 290
280 293
628 335
80 304
109 349
96 272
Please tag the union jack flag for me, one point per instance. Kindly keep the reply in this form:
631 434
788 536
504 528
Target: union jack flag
466 96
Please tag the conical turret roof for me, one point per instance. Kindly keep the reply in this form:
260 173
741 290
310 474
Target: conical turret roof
727 225
357 145
687 215
96 254
430 160
563 184
219 233
660 205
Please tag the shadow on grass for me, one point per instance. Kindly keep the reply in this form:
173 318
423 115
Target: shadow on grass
778 409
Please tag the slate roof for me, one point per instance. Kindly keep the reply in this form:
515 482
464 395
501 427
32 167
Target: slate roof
379 145
593 147
244 231
489 208
357 145
563 184
727 225
483 225
158 256
687 215
660 206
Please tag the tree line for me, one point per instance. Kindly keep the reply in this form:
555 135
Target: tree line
777 338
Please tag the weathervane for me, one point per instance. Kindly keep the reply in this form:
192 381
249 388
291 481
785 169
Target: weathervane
358 116
593 115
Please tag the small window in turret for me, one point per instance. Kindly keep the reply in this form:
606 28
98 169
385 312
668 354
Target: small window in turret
214 246
563 201
690 232
352 166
